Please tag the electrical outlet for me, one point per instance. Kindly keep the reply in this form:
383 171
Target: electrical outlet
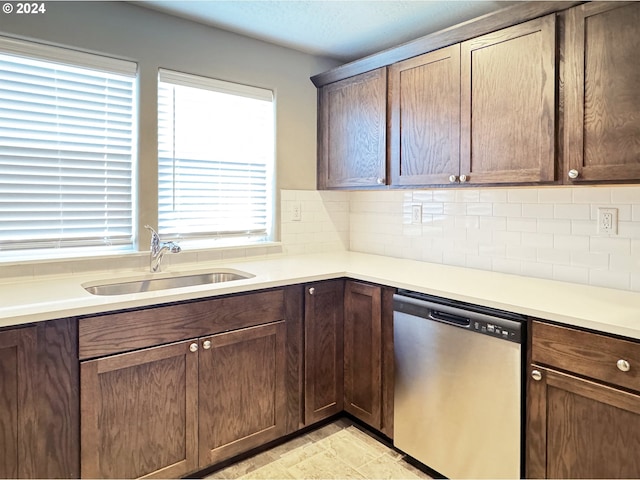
416 213
296 212
608 221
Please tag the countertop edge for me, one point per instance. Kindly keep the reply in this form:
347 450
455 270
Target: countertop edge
611 311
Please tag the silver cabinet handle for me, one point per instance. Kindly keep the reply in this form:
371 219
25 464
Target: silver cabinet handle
452 179
463 178
536 375
193 347
206 344
380 181
312 291
573 174
623 365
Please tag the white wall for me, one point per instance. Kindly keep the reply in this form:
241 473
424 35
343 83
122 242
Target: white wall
156 40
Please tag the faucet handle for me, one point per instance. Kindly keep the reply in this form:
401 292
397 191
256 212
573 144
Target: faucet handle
155 239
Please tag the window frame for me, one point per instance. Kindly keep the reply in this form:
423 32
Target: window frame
52 248
223 238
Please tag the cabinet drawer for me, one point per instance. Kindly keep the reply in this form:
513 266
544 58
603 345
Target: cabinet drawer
588 354
124 331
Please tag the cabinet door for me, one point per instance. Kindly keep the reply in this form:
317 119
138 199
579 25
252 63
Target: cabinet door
363 352
242 391
18 435
139 413
508 104
352 132
581 429
324 371
424 104
602 76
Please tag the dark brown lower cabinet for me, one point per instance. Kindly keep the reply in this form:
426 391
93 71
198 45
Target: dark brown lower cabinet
39 420
323 352
139 413
17 403
368 354
363 352
242 396
578 428
583 404
170 410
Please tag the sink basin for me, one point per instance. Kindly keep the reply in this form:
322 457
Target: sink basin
167 283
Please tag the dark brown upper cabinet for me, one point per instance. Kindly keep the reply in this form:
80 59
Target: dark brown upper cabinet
602 92
352 132
508 105
424 127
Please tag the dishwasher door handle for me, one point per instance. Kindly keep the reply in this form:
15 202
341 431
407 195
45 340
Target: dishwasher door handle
449 318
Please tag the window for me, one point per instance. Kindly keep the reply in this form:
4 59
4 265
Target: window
216 155
66 149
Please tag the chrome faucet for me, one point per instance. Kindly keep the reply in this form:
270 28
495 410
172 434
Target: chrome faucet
158 249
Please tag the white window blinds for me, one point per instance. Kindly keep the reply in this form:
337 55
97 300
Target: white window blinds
67 123
216 154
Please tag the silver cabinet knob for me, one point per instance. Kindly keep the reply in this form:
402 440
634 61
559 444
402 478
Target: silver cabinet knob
573 174
206 344
623 365
193 347
453 178
380 181
536 375
312 291
463 178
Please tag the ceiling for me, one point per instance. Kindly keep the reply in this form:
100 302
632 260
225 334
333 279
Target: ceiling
342 29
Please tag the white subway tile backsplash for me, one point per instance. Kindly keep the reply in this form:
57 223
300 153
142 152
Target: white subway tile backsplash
493 195
444 195
611 245
479 208
522 224
536 210
554 226
554 195
610 279
626 194
467 196
537 270
537 240
554 256
544 232
590 195
522 195
590 260
572 211
507 210
565 273
506 265
571 242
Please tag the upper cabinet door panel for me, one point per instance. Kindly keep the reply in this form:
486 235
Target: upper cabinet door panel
508 104
424 103
352 132
602 88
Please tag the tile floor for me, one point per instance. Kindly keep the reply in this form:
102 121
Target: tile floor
338 450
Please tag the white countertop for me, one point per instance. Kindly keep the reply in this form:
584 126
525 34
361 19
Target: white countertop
608 310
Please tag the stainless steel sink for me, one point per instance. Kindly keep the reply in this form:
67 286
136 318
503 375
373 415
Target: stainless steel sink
167 283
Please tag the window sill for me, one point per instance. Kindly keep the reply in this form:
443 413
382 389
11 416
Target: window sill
132 261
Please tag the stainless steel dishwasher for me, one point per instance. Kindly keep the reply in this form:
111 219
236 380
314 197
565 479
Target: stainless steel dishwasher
458 386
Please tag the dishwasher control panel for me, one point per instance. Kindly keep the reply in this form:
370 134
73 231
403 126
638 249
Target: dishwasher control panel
478 319
496 329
